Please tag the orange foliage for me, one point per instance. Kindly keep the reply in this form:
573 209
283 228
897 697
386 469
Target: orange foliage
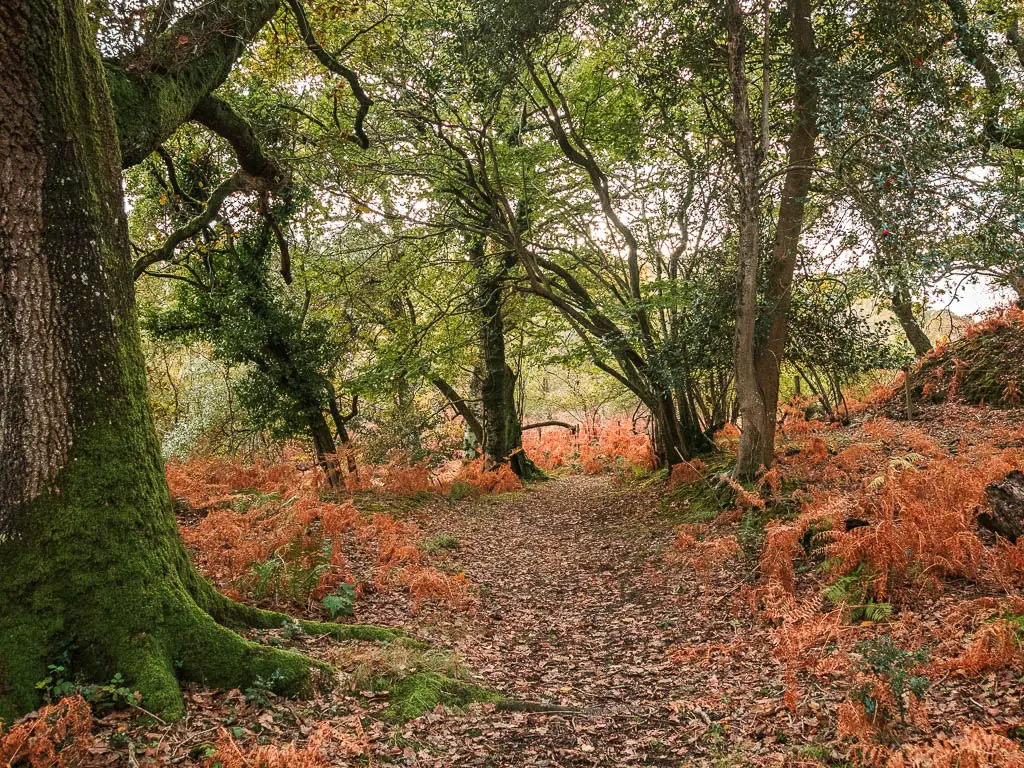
686 473
325 744
594 449
976 748
916 524
995 646
476 474
925 518
703 554
854 722
727 436
772 480
1003 317
428 583
400 476
57 736
203 482
241 530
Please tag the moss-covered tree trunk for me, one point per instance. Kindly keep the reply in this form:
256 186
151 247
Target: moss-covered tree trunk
502 429
90 557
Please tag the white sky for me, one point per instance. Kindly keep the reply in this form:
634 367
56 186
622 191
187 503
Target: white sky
971 298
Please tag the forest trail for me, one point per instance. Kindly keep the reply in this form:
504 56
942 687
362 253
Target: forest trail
578 608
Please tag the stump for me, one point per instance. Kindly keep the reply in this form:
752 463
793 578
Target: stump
1005 515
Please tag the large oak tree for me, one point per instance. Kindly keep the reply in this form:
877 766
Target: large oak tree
90 557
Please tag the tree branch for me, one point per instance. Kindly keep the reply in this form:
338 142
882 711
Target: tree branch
337 68
157 89
237 182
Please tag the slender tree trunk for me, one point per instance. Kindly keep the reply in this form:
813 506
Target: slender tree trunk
754 437
903 308
795 190
90 556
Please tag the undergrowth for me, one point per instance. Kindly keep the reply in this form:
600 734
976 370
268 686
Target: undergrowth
266 532
864 521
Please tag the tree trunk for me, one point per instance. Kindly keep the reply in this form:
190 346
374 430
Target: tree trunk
757 443
341 427
796 188
1015 279
502 431
904 311
90 555
755 436
668 441
325 448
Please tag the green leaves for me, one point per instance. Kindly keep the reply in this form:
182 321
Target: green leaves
342 602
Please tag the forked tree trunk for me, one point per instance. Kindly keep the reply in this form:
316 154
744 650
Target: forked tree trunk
759 394
675 439
90 556
789 227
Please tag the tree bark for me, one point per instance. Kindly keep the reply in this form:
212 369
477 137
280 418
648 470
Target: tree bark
90 556
789 227
904 311
1005 515
754 439
574 428
1015 279
458 402
502 431
759 400
341 427
158 91
325 448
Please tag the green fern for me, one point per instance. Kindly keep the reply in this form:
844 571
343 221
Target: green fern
850 592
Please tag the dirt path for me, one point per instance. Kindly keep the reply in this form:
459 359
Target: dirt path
578 608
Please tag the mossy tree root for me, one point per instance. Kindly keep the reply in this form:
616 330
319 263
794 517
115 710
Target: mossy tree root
146 615
239 616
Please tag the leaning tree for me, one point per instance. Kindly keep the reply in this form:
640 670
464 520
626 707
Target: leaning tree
90 556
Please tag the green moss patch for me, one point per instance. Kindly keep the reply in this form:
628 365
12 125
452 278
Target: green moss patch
419 692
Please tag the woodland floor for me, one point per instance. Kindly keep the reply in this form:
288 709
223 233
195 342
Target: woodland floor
577 607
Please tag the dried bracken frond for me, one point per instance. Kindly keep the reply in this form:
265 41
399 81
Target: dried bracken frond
323 747
57 736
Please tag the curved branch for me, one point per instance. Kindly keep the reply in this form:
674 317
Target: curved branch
337 68
574 428
220 117
156 91
237 182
